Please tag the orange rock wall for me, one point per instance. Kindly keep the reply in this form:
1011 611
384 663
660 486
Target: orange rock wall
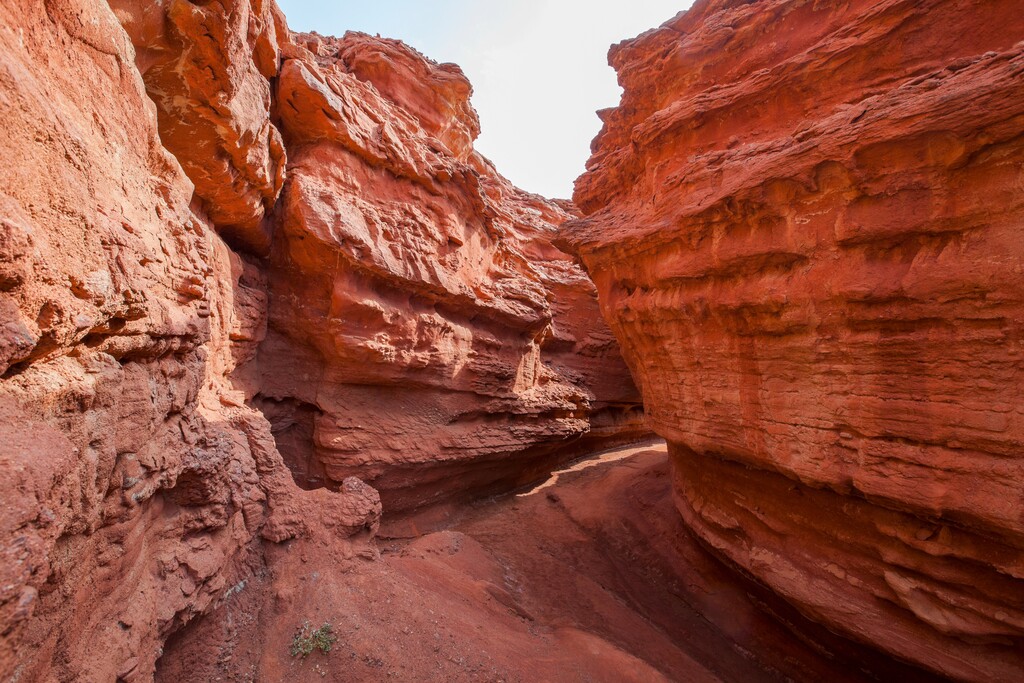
804 223
424 334
175 317
208 68
136 485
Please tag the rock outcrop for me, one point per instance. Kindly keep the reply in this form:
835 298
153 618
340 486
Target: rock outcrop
424 334
145 243
804 223
208 67
592 576
136 485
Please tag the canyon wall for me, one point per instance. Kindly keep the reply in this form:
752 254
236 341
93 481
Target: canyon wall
136 484
804 221
423 330
395 309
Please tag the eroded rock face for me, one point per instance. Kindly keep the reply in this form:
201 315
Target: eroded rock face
424 334
135 485
146 248
804 223
208 66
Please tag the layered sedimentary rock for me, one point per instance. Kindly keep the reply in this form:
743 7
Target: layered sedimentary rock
591 575
135 486
424 334
145 242
804 222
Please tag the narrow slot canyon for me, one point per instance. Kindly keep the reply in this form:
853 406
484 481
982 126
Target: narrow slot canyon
590 575
295 385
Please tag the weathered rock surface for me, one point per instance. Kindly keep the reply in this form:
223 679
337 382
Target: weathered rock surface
590 577
424 334
134 483
144 245
804 223
208 66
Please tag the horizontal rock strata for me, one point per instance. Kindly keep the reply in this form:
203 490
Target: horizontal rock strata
424 333
152 429
803 221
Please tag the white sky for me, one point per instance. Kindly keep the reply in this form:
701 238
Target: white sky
538 67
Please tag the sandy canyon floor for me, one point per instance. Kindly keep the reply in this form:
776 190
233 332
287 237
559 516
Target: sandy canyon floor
590 576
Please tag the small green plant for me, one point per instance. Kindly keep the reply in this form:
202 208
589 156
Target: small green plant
308 639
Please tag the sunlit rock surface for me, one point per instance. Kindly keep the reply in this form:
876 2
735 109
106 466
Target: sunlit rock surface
424 334
135 485
804 223
160 299
208 66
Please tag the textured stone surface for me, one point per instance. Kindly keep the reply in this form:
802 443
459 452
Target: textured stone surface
804 222
592 576
424 334
141 484
135 483
207 66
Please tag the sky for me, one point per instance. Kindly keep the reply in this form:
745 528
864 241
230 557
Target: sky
539 68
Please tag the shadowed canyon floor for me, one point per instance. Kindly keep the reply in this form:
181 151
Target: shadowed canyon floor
589 577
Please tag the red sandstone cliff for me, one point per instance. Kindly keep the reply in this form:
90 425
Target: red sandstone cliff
208 68
136 485
424 334
413 299
804 221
